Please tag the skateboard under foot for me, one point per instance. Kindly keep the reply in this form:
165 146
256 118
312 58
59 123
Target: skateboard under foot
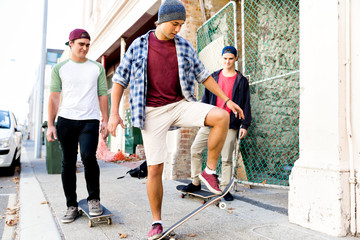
105 217
203 194
170 231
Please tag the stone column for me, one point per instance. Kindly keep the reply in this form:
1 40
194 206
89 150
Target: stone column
355 96
319 196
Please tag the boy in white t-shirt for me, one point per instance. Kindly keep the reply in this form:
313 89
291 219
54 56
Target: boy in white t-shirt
82 83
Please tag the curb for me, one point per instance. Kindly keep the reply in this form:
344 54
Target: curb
36 219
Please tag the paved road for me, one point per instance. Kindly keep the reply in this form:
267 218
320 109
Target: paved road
8 204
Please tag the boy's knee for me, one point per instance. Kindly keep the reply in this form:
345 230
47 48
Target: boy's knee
223 117
88 158
155 170
217 117
196 150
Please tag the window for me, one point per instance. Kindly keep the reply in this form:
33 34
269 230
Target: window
4 119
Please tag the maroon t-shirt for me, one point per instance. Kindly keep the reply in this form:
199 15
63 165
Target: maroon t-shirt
163 74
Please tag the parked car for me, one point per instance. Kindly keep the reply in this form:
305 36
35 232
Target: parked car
10 142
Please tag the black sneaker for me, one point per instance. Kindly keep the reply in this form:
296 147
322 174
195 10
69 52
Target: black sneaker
191 188
228 197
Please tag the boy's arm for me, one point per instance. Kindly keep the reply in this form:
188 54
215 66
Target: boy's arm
104 109
54 100
115 119
247 107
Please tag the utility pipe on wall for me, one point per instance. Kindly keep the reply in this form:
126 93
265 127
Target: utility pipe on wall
202 9
352 178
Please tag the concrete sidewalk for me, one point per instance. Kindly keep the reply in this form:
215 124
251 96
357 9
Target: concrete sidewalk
258 213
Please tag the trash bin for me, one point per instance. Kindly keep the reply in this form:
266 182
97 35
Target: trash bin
53 154
129 144
132 134
132 139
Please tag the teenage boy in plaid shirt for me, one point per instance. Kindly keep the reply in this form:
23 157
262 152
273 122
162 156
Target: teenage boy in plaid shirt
161 68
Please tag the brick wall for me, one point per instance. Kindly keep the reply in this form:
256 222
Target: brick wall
193 21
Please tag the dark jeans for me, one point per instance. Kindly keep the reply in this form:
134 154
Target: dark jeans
85 133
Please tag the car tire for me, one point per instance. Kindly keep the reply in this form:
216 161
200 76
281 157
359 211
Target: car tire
9 171
17 161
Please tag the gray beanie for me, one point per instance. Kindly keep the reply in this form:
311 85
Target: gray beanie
171 10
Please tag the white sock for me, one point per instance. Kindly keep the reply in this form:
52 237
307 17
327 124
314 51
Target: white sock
209 171
159 221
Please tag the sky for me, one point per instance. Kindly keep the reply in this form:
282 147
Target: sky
20 45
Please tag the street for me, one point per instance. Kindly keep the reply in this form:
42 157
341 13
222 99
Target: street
256 213
9 189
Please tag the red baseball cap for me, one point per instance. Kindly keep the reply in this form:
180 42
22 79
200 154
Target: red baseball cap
77 34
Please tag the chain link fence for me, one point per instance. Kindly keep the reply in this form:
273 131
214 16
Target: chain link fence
270 57
216 33
270 61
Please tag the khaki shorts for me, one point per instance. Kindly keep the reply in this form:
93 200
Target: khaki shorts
158 120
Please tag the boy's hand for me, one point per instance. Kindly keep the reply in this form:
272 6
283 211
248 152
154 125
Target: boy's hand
235 109
114 121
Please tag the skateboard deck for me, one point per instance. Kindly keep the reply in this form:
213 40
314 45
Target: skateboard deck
205 195
105 217
201 193
196 211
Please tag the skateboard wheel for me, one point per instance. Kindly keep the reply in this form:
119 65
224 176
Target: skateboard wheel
182 195
91 223
204 201
222 205
172 236
109 221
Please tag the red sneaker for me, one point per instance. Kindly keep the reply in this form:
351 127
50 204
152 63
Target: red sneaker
155 232
211 181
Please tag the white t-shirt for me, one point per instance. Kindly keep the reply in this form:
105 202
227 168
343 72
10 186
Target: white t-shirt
80 84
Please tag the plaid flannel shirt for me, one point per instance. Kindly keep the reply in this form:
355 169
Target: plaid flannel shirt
133 71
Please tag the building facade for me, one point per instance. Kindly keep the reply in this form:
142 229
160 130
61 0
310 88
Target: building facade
324 193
